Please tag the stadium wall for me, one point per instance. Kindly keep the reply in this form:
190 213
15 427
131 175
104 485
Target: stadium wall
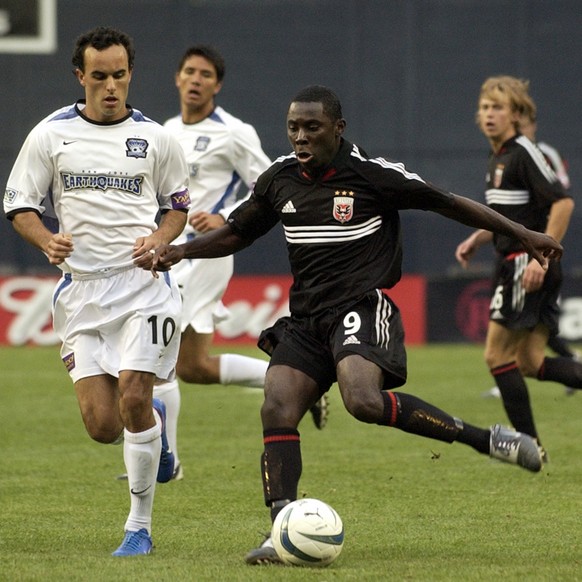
433 310
408 73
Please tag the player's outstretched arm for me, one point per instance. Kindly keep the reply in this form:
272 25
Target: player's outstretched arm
218 243
540 246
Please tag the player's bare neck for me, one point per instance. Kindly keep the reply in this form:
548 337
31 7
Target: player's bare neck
196 115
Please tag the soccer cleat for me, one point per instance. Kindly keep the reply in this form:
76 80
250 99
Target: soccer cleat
515 447
544 455
320 412
264 554
178 473
135 543
166 468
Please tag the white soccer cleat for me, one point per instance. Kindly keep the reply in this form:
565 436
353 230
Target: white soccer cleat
515 447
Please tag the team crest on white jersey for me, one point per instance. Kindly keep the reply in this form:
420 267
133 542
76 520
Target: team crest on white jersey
201 144
498 176
343 205
194 170
136 147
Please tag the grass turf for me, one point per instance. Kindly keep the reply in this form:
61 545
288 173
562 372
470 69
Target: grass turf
413 508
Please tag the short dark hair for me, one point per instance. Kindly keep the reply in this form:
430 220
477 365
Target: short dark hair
210 54
332 106
101 38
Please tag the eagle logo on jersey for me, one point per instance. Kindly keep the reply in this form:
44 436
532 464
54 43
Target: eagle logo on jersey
201 144
498 175
136 147
343 205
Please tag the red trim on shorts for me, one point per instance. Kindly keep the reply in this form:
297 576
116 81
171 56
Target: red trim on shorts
278 438
512 256
504 368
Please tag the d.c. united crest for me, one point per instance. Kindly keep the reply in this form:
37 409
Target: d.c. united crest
343 205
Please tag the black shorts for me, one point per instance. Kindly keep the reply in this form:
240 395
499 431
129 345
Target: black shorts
513 308
371 327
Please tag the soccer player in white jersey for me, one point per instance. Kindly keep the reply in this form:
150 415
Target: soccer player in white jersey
108 172
222 153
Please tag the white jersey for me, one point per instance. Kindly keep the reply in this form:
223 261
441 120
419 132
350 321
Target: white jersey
106 183
557 163
221 152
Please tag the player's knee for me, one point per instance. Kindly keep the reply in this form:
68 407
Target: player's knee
107 433
363 407
277 412
196 372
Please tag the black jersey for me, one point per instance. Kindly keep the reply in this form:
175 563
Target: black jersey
342 228
522 186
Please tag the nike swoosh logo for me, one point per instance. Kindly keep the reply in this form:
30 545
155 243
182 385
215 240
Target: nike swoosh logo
69 142
139 492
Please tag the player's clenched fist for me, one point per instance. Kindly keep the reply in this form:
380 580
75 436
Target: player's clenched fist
59 248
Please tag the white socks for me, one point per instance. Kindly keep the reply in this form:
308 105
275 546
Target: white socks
141 453
169 394
242 370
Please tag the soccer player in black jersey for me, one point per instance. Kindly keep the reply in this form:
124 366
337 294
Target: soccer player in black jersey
524 308
340 214
528 127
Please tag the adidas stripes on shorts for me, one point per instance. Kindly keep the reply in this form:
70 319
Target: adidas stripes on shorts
370 326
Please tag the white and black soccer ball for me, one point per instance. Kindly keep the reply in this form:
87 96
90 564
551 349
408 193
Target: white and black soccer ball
308 532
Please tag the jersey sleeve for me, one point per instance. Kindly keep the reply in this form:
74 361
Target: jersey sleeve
172 184
31 177
255 216
539 176
249 159
401 189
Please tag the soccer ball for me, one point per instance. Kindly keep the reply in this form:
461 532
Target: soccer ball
308 532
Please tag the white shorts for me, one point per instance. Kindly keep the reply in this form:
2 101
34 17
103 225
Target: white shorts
127 321
202 284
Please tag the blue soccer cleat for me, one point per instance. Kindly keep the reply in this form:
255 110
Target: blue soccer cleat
167 460
135 543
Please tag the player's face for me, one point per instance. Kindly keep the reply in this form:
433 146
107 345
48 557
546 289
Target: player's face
315 137
197 84
496 119
106 81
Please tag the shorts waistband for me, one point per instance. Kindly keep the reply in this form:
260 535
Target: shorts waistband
512 256
102 274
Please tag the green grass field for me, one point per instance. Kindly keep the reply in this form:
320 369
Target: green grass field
413 508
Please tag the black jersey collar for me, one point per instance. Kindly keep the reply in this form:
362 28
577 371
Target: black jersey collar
80 111
332 168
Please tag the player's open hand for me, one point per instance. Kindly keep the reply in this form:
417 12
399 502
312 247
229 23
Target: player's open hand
166 256
541 247
205 222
